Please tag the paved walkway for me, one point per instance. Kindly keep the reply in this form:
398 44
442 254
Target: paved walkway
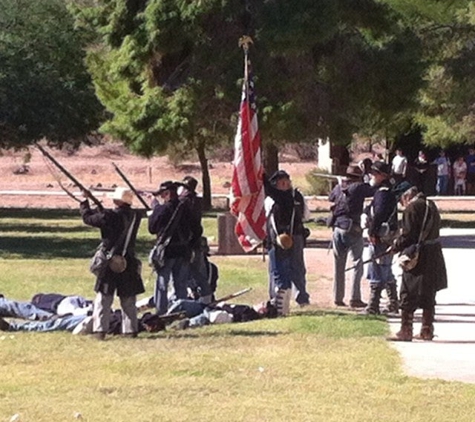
451 355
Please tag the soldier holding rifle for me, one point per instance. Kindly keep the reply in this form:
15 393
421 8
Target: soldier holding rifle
119 227
347 233
382 213
116 266
176 231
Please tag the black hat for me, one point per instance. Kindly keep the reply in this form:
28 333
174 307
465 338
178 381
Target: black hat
381 167
279 174
401 189
190 183
168 185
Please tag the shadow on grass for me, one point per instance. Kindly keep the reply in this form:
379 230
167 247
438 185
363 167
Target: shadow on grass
194 333
351 315
457 224
44 214
55 247
39 228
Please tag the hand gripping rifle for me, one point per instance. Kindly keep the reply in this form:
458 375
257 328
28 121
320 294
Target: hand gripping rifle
373 259
131 187
70 177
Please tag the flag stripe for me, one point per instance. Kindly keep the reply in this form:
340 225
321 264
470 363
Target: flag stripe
247 186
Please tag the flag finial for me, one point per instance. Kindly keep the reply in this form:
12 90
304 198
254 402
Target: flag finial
245 41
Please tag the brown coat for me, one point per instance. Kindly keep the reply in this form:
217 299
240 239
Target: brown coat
420 284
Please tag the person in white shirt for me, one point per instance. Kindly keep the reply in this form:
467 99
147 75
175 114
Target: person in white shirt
443 172
399 166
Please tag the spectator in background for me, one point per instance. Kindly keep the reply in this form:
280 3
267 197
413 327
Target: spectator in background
470 160
443 172
399 166
421 165
460 174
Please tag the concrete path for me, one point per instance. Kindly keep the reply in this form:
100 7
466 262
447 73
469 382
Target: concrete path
451 355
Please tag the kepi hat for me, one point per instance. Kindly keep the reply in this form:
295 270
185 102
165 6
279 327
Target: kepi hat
279 174
168 185
190 183
381 167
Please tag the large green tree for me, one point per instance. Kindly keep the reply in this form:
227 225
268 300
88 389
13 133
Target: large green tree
168 71
446 30
45 89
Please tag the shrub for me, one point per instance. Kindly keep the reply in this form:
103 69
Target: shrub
319 185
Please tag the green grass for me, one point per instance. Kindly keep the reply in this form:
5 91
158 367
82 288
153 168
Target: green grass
317 365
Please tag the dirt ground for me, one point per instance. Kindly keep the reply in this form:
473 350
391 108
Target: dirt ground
92 167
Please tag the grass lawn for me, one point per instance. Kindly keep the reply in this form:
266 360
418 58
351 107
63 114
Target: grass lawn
316 365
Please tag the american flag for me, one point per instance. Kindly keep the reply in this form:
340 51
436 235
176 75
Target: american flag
247 187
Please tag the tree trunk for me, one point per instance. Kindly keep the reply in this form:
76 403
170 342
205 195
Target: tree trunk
271 158
206 179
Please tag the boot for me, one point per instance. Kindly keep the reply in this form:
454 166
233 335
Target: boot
391 291
427 328
282 301
373 302
4 325
99 336
129 335
405 333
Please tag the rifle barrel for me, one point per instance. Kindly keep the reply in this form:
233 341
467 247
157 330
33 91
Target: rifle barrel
372 259
231 296
328 176
69 175
129 184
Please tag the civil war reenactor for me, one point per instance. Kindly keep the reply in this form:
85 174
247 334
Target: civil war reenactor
382 229
286 211
176 231
348 202
198 265
427 273
120 271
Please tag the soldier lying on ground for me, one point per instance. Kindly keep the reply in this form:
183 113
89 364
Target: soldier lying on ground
198 314
47 312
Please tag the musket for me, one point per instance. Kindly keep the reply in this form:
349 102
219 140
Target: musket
329 176
70 176
373 259
169 318
160 322
131 187
231 296
103 189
